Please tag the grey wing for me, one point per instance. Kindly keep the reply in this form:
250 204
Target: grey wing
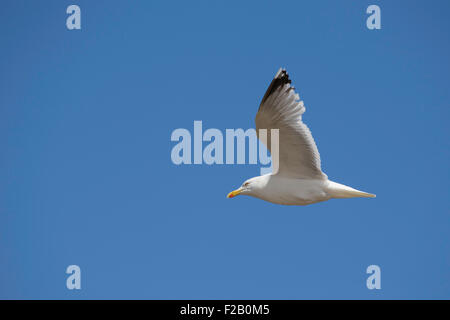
282 109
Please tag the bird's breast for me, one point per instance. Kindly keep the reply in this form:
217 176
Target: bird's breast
288 191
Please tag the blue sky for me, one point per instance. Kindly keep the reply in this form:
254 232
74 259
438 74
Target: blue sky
86 176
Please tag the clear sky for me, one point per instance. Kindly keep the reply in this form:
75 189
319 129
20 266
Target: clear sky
86 176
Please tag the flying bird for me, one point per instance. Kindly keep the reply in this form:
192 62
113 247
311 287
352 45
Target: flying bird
297 177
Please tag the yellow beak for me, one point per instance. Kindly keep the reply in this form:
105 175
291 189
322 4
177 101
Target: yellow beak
234 193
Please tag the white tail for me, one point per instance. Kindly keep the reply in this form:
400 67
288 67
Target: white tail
340 191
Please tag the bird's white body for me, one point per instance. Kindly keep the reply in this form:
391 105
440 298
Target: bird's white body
284 190
297 178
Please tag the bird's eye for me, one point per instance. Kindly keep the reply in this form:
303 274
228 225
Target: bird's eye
245 184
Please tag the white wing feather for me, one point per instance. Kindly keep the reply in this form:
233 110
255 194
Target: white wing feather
282 109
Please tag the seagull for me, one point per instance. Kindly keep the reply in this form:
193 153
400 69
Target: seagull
297 177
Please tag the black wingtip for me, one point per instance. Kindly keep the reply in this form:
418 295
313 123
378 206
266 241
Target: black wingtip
281 78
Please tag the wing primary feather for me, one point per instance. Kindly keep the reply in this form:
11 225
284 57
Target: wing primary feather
280 79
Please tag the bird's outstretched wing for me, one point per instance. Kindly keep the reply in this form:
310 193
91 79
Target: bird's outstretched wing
282 109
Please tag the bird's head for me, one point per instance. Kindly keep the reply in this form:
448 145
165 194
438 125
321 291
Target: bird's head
249 187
